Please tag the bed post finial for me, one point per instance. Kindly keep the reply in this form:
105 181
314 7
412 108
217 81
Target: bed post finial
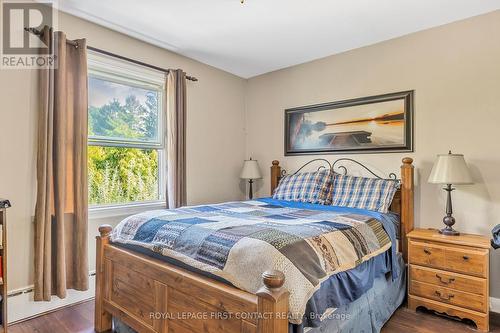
273 279
275 175
273 303
407 160
105 230
407 205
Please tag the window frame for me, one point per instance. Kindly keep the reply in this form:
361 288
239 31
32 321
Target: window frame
119 71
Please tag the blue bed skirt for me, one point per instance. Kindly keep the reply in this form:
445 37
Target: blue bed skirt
370 311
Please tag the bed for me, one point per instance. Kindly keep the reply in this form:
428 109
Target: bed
137 285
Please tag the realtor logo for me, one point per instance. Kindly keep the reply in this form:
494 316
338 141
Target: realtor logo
21 49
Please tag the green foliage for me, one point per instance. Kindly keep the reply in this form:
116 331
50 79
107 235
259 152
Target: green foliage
132 120
118 174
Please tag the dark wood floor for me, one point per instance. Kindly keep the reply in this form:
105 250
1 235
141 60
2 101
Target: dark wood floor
80 318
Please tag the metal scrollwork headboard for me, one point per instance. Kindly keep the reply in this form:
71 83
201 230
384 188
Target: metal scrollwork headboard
392 175
337 164
315 160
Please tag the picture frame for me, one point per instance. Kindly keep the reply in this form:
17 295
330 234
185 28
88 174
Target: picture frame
373 124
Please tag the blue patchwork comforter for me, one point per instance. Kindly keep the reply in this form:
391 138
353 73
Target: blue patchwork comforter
238 241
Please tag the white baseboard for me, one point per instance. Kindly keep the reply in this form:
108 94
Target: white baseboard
495 304
22 306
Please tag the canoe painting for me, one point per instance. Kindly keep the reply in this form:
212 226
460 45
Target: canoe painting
354 125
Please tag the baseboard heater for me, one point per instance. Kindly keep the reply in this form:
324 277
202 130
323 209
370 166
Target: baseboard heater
30 289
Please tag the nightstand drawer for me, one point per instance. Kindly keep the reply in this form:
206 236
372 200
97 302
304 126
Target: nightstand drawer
426 254
449 296
455 281
467 261
449 274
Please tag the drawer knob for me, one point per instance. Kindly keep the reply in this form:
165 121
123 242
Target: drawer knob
427 252
443 280
438 294
466 257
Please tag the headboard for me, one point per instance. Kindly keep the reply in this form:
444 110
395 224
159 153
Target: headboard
402 203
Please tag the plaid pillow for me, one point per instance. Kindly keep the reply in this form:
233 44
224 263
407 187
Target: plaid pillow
364 193
312 187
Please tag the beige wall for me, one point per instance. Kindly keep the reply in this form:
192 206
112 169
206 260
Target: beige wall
455 72
215 113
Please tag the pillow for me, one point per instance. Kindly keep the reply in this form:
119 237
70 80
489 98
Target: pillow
364 193
312 187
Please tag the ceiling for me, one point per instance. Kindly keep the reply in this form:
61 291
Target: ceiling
260 36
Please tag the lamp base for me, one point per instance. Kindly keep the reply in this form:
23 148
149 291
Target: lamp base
448 231
449 220
250 190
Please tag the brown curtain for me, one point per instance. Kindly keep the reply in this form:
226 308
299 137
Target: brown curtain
176 138
61 259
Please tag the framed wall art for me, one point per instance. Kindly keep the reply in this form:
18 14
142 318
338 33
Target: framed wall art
382 123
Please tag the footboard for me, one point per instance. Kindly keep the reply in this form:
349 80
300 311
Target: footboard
150 295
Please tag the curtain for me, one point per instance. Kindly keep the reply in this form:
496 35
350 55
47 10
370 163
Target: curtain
176 138
61 256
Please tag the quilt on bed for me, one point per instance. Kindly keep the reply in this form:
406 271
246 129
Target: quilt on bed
238 241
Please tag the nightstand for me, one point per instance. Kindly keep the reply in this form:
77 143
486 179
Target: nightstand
449 274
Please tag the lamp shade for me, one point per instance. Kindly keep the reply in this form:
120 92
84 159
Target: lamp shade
450 169
250 170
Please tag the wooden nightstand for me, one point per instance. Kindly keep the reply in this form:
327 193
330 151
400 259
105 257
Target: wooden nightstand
449 274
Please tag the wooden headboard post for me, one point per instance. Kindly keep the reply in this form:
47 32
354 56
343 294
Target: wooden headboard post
401 204
102 319
407 206
275 175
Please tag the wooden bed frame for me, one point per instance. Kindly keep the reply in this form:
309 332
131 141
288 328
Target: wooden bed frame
150 295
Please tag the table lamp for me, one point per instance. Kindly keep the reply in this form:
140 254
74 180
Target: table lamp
250 171
450 169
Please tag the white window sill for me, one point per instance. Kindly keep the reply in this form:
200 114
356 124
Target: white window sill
101 212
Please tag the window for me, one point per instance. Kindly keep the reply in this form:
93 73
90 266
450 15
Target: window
126 138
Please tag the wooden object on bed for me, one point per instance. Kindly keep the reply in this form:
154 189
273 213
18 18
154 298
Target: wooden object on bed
152 296
450 274
402 203
406 206
273 299
102 318
275 175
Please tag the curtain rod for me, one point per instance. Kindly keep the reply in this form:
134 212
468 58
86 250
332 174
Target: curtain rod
95 49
